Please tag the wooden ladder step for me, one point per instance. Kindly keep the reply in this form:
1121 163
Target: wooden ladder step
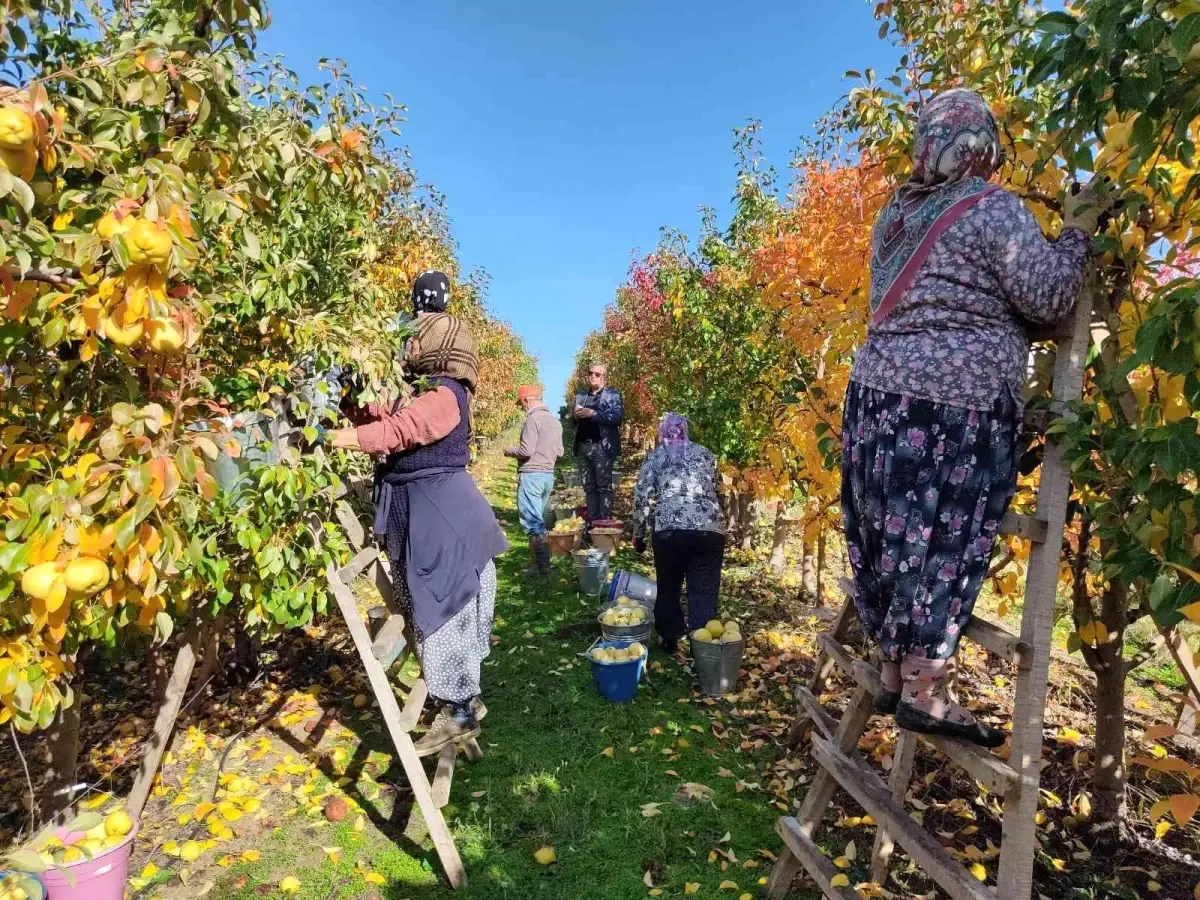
822 720
874 797
998 640
414 704
363 559
1032 527
444 775
978 762
819 867
390 641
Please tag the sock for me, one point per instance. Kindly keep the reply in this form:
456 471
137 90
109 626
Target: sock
925 689
889 674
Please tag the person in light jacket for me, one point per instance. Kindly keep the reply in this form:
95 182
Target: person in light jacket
541 446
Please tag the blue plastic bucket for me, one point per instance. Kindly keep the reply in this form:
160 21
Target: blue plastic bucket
617 682
637 588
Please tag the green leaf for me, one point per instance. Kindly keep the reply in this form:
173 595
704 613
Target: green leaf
126 529
1057 23
251 245
164 625
1186 34
85 821
1162 588
23 194
26 861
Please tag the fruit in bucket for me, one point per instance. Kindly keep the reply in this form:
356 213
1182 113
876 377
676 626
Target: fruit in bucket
624 601
702 634
618 654
624 616
715 628
715 632
566 526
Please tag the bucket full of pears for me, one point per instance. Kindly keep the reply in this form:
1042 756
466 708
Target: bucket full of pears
717 650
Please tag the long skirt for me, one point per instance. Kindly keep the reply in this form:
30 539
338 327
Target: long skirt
924 488
452 656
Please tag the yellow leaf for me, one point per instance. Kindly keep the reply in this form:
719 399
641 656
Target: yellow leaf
727 886
979 871
1192 611
745 897
692 887
656 892
62 220
360 824
203 810
650 810
1161 829
150 871
251 856
1085 805
374 878
842 863
839 880
290 885
607 751
546 855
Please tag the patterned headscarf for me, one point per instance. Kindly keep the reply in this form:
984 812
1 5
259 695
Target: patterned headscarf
430 293
673 434
957 150
446 348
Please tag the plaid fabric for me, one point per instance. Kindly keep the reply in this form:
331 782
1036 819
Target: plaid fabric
447 348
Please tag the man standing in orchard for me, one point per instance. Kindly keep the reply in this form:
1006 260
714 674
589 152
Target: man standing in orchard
541 446
598 415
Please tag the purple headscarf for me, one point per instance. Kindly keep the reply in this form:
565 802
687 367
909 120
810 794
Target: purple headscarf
673 434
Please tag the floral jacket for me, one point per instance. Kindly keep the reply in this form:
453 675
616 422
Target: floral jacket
678 493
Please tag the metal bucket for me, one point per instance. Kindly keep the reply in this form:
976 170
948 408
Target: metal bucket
639 632
637 588
717 665
591 567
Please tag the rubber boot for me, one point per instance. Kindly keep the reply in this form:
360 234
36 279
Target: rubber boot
540 547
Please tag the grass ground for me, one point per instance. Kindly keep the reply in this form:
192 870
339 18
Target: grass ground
674 792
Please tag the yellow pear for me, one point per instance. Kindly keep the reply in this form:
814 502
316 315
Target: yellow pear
149 243
38 581
86 575
122 337
118 823
714 628
702 634
16 128
164 335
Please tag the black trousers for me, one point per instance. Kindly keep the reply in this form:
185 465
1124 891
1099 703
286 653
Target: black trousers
597 469
694 557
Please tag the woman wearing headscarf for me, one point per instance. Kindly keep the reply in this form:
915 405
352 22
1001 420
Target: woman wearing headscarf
960 271
441 536
676 498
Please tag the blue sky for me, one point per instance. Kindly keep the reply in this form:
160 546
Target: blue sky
566 134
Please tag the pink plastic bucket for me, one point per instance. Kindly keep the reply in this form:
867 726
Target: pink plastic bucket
100 878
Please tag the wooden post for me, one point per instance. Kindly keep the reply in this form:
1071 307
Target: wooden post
1019 840
164 725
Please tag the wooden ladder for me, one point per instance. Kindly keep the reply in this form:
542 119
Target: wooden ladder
834 743
390 646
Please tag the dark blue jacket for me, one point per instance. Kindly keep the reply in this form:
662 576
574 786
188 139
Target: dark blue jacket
610 413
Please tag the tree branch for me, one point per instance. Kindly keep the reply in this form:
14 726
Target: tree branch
60 276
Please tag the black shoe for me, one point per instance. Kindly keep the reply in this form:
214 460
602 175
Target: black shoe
914 720
886 701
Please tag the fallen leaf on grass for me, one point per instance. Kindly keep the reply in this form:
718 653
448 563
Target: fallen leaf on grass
607 751
656 892
649 810
979 871
290 885
251 856
725 773
839 880
842 863
727 886
648 879
691 887
546 855
692 792
360 824
374 878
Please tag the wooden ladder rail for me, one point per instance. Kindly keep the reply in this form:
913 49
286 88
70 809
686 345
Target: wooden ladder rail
380 649
1018 779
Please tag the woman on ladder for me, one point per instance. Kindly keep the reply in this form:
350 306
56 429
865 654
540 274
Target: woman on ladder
960 270
677 495
441 535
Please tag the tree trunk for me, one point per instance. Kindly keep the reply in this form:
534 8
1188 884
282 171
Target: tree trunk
819 596
164 725
731 519
210 643
746 521
779 537
57 792
160 672
1108 773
